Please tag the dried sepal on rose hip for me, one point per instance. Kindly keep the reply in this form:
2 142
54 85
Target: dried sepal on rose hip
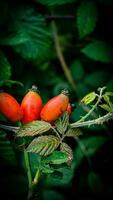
10 108
55 107
31 106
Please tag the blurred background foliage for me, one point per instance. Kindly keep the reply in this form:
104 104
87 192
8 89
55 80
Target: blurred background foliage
30 32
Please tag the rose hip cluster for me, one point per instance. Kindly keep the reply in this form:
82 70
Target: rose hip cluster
32 107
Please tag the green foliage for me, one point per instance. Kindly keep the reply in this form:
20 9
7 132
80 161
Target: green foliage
54 2
34 128
77 70
50 194
95 183
61 177
67 150
57 158
28 34
96 78
89 98
62 123
44 145
5 68
86 18
87 147
98 51
7 154
73 132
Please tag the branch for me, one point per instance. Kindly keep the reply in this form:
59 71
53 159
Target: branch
97 121
59 17
61 57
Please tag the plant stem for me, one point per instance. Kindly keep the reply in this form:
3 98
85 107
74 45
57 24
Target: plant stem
26 158
36 178
97 121
61 57
94 107
56 133
59 17
9 128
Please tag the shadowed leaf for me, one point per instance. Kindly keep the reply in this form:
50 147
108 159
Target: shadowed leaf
67 149
62 123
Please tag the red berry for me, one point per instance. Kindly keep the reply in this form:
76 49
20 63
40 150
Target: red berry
55 107
10 108
69 109
31 106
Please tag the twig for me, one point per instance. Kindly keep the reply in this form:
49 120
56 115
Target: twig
61 57
94 106
97 121
59 17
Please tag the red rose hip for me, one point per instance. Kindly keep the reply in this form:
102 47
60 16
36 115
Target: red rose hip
10 108
31 106
55 107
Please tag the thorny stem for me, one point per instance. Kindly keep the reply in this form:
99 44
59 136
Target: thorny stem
61 57
94 107
97 121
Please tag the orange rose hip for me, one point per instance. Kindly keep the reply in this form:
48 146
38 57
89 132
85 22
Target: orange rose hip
31 106
10 108
55 107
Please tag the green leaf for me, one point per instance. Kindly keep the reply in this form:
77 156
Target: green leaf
67 150
44 145
11 82
109 93
86 18
51 194
87 147
28 33
34 128
97 79
95 183
106 98
57 157
106 107
66 175
45 168
77 70
89 98
62 123
35 160
98 51
54 2
5 67
7 154
82 89
73 132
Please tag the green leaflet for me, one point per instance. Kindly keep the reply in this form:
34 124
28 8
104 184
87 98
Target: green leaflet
34 128
44 145
5 67
86 18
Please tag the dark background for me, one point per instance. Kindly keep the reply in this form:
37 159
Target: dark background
27 57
